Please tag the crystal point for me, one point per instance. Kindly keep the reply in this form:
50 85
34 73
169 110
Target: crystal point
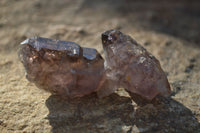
61 67
132 67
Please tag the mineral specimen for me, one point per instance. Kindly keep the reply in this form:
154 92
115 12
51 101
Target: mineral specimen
66 69
61 67
130 66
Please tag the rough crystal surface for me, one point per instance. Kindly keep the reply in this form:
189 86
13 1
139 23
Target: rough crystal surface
66 69
129 65
61 67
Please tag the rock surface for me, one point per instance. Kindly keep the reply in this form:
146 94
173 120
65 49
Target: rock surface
170 30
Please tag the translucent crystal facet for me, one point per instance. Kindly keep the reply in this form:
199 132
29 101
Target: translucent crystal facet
132 67
66 69
61 67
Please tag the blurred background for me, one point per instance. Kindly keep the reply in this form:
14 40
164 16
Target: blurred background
170 30
21 18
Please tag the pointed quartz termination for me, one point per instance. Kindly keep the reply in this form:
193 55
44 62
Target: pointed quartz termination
129 65
61 67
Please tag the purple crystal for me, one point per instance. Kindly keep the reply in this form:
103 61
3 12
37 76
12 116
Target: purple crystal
129 65
61 67
66 69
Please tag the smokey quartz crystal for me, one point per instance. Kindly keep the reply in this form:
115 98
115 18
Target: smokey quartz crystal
68 70
61 67
130 66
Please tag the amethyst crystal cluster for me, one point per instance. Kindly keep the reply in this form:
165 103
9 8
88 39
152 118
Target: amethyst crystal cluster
66 69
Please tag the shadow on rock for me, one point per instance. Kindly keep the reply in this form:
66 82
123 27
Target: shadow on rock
167 116
117 114
90 114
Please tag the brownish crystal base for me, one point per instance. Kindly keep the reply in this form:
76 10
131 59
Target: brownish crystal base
63 68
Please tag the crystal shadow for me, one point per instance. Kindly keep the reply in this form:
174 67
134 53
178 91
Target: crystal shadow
117 114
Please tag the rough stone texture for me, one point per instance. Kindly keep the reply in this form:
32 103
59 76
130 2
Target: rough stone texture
170 30
61 67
